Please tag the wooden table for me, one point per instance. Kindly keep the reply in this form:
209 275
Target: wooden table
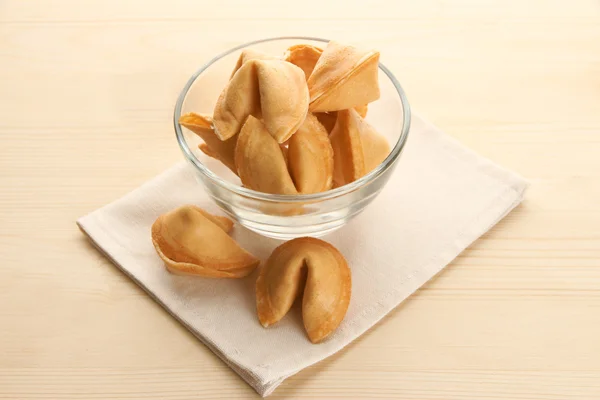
86 96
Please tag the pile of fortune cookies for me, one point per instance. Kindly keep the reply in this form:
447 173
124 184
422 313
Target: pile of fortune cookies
290 124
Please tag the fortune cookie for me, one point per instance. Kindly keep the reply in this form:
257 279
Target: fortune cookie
357 147
274 90
344 77
260 161
349 161
249 54
222 150
310 157
193 242
312 267
375 146
304 56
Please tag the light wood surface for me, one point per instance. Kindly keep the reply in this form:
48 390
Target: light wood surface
87 89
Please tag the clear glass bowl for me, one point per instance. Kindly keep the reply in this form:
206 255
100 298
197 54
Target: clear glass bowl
286 216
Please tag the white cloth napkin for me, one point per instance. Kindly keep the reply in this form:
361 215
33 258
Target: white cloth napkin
438 201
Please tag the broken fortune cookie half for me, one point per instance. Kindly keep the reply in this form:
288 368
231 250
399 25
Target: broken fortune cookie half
193 242
312 267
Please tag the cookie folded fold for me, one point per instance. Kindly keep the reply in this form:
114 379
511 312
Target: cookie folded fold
274 90
344 77
375 146
310 157
201 125
191 241
357 147
349 161
304 56
249 54
314 269
260 162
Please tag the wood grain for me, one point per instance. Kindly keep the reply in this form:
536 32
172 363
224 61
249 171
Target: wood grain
86 93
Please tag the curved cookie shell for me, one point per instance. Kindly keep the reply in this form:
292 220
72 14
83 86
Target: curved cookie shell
191 241
348 156
357 147
274 90
327 119
260 162
375 146
304 56
344 77
222 150
310 157
312 267
249 54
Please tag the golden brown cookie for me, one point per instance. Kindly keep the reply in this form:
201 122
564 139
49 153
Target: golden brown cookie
348 156
357 147
310 267
260 161
310 157
249 54
375 146
327 119
213 147
344 77
304 56
274 90
193 242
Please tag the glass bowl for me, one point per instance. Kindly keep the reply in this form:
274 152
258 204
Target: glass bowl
288 216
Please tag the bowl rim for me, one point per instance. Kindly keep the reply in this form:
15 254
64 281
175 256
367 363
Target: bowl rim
284 198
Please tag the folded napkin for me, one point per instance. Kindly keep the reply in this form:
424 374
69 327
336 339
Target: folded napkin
438 201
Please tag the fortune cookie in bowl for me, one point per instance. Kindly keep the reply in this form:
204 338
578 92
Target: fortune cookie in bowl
305 166
357 147
260 161
375 146
310 157
327 119
317 270
274 90
304 56
344 77
249 54
222 150
349 158
193 242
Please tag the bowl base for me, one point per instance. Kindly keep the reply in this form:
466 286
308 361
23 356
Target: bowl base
288 233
